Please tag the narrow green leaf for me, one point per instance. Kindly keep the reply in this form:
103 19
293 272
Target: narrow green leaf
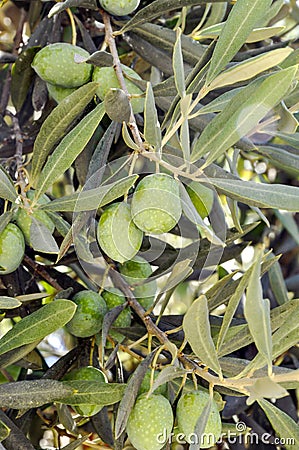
265 388
257 312
217 14
92 393
12 356
262 195
250 68
22 76
197 331
93 198
31 394
256 35
238 119
152 130
231 308
285 336
238 26
41 237
277 283
127 138
200 426
282 423
5 218
288 220
168 374
219 103
56 124
179 272
38 324
62 6
9 303
178 65
7 189
281 158
130 394
68 150
4 431
157 8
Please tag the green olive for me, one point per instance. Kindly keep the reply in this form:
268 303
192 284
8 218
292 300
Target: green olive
117 234
146 384
120 7
59 93
88 317
150 418
56 64
136 272
107 80
156 205
189 408
88 373
12 249
201 197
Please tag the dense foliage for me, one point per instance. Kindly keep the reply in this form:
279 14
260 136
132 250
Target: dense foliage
149 204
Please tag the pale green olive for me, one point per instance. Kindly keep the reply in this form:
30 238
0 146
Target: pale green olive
189 408
156 205
107 80
117 234
12 248
119 7
150 418
88 317
56 64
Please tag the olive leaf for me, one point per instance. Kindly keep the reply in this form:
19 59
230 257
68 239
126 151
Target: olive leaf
22 76
92 198
68 149
92 393
90 4
5 218
155 9
241 115
201 425
281 158
9 302
168 374
41 238
197 331
4 431
31 394
264 388
130 395
257 194
250 68
152 130
56 125
284 426
7 189
237 28
38 325
257 313
277 283
17 354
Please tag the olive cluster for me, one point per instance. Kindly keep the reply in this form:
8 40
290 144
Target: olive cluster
62 66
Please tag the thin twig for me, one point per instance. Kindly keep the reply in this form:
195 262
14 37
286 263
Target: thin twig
110 40
42 272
